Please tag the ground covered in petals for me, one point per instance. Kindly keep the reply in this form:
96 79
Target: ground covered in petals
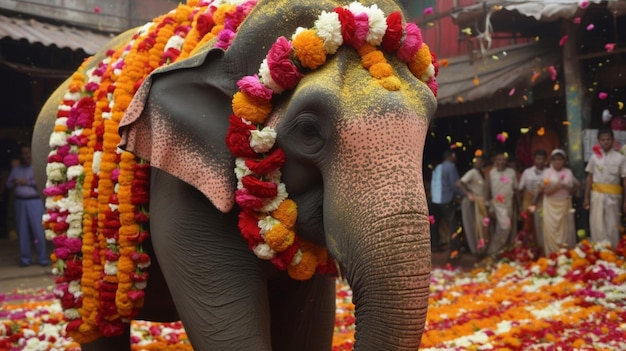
573 300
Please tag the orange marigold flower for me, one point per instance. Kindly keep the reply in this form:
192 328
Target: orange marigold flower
381 70
279 238
309 49
286 213
219 17
366 49
251 109
372 58
305 269
421 61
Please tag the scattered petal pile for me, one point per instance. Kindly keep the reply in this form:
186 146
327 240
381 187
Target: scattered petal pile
572 299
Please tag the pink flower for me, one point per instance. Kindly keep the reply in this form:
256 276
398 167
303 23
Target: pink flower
609 47
73 245
428 11
53 191
486 221
431 219
505 180
246 200
590 27
602 95
224 39
282 70
412 42
251 85
552 71
481 242
362 24
70 160
563 40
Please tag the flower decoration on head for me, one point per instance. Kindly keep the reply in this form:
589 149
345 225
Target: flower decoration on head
267 219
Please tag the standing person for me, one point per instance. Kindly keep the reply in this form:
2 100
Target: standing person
558 223
604 189
502 199
473 209
529 185
28 210
443 193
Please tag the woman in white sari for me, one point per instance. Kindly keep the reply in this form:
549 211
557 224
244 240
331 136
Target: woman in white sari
558 218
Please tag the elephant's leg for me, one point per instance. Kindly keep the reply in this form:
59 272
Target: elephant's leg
303 313
218 285
117 343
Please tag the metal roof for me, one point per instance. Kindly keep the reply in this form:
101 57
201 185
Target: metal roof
47 34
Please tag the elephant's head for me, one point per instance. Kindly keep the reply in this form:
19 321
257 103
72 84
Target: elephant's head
353 150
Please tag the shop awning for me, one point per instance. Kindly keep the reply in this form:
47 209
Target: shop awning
540 10
47 34
499 78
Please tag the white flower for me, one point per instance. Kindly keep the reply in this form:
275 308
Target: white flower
378 25
34 344
428 73
241 170
141 285
74 172
264 252
356 7
97 159
266 78
50 203
110 268
56 172
328 28
62 121
75 289
57 139
262 140
297 258
71 313
175 42
275 202
297 32
267 223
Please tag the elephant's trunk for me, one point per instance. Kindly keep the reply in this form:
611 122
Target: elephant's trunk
377 228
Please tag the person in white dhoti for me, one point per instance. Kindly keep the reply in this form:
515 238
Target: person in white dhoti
532 204
473 209
503 201
604 189
558 219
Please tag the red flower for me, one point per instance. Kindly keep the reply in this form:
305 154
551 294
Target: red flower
248 226
204 23
272 162
238 138
136 294
259 188
282 70
393 35
348 24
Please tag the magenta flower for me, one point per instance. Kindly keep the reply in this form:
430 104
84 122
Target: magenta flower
362 27
412 42
282 70
251 85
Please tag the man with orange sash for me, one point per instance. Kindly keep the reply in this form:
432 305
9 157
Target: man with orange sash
604 189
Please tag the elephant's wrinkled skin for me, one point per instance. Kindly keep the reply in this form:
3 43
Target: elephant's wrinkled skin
354 159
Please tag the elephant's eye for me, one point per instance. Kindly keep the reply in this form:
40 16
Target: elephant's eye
308 127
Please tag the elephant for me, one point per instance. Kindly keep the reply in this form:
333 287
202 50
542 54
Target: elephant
352 158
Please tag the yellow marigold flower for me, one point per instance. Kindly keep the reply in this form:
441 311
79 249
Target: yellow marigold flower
286 213
421 61
279 238
251 109
305 269
182 13
381 70
309 49
217 29
372 58
390 83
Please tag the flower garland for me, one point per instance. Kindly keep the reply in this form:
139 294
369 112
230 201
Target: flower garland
267 219
97 196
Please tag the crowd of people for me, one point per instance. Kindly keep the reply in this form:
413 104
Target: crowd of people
499 204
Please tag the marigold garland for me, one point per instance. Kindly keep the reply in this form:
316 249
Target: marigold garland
97 213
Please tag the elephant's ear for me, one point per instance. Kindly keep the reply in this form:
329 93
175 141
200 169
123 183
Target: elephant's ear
178 121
